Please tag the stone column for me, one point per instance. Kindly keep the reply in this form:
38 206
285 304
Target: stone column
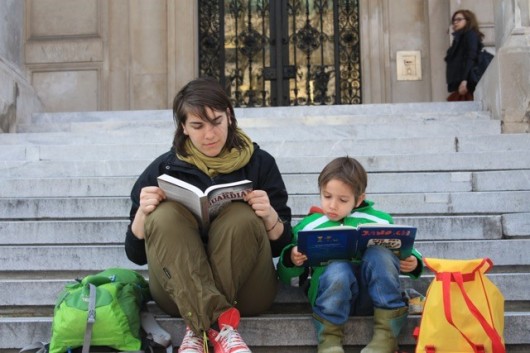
375 50
182 44
439 17
17 98
505 87
137 55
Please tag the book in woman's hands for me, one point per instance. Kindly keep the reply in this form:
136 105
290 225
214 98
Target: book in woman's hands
349 243
204 205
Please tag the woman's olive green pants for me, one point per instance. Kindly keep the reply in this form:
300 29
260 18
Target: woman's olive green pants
199 282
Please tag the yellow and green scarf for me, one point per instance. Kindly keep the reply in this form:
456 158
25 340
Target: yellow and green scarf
224 163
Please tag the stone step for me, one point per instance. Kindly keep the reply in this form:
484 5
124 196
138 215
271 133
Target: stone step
457 203
303 147
288 332
101 232
443 167
29 258
262 117
43 292
295 184
161 128
460 161
516 224
257 130
454 162
280 113
292 149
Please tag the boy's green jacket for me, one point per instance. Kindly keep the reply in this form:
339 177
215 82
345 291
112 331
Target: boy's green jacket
362 214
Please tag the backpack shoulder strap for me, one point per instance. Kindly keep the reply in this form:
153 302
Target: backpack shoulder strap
37 347
90 319
155 332
456 277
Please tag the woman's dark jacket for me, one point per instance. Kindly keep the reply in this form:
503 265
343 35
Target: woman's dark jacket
261 170
460 58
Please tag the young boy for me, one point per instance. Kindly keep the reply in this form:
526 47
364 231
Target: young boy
344 288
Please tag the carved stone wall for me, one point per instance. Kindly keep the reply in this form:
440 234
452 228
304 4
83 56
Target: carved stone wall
65 53
389 27
85 55
133 54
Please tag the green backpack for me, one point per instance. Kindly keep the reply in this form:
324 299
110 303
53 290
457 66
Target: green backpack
100 310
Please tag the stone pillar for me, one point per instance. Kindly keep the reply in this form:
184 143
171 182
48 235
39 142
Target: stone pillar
17 98
439 16
375 67
148 53
182 44
152 51
505 87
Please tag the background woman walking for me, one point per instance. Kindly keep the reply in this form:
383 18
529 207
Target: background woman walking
462 55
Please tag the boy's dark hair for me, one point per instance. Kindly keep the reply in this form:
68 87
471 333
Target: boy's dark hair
195 97
349 171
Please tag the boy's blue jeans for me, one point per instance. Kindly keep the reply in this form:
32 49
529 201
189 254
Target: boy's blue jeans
348 289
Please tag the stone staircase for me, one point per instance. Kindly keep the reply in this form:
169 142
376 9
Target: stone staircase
444 167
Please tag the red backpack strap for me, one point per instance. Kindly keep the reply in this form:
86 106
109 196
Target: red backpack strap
497 345
447 278
416 333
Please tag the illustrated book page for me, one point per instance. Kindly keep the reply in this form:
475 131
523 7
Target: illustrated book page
349 243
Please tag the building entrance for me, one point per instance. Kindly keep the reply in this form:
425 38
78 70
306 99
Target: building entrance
280 53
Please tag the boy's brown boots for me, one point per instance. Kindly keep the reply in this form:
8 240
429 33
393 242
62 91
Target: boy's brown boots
329 336
387 325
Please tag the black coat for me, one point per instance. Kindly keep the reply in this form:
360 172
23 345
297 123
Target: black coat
460 58
261 170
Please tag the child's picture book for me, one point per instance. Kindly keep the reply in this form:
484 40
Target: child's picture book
349 243
204 205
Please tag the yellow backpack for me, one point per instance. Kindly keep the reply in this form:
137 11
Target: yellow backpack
464 310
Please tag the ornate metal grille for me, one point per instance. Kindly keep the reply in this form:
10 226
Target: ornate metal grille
275 52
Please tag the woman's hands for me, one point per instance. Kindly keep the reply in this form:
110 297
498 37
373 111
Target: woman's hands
297 257
260 203
462 88
150 198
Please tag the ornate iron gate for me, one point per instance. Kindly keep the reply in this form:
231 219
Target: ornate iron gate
282 52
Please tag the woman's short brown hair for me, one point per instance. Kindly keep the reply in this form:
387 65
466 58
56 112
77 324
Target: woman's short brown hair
195 97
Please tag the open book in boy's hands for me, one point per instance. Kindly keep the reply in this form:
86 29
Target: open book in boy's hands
349 243
204 205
